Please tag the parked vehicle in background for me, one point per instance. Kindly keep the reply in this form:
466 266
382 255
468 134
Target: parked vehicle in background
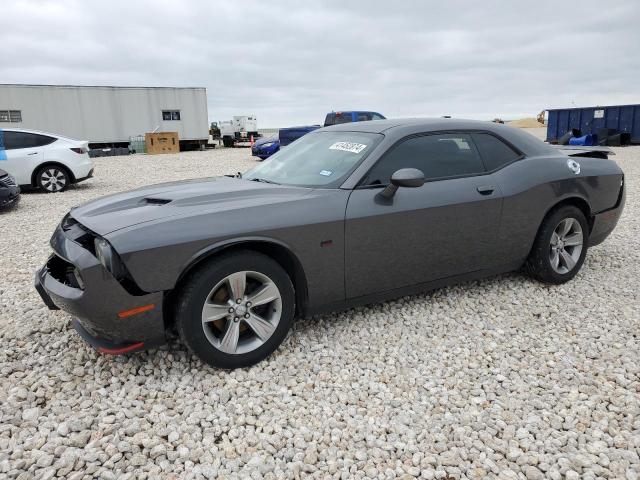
265 147
336 118
44 160
214 131
348 215
9 190
291 134
238 132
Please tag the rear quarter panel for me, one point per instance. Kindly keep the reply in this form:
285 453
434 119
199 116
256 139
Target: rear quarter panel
60 152
533 186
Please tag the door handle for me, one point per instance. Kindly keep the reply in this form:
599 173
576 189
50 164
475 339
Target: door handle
32 153
486 189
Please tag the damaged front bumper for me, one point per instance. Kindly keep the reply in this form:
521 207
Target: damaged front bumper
107 316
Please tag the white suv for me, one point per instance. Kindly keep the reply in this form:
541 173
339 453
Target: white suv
44 160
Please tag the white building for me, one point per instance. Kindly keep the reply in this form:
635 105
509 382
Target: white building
106 115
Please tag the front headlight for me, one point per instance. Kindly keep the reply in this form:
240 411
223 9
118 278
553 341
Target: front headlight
109 258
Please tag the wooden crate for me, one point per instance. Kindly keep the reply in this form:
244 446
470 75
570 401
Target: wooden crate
162 142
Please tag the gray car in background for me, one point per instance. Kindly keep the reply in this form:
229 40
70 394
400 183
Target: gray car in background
347 215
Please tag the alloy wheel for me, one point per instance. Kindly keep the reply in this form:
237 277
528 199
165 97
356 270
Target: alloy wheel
53 179
241 312
566 245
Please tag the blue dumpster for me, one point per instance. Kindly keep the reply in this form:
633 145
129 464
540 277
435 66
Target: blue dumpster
621 118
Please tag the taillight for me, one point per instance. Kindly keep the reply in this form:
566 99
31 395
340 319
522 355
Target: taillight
79 150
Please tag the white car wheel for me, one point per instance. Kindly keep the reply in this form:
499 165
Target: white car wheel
53 179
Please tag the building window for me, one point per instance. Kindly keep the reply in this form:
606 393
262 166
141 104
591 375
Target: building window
171 115
13 116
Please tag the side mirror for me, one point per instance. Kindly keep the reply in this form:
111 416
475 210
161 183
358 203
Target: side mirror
405 177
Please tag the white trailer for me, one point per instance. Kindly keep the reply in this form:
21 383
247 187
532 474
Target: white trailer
238 131
107 116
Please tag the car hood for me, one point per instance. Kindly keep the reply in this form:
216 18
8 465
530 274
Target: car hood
114 212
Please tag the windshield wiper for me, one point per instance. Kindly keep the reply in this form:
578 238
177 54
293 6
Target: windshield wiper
264 180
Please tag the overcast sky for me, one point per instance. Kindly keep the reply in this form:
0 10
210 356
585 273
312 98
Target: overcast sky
290 62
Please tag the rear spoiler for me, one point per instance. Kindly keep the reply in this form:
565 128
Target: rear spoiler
583 151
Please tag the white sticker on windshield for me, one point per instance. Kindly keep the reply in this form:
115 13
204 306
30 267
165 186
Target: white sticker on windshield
348 147
326 173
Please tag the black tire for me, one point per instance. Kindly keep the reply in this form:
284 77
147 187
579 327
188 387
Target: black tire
196 291
538 264
53 178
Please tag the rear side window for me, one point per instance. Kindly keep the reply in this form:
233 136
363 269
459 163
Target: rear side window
343 118
375 116
437 156
16 140
495 153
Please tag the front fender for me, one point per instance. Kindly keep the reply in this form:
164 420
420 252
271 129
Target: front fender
217 247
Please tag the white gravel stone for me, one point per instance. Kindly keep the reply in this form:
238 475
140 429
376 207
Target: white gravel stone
501 378
572 475
30 414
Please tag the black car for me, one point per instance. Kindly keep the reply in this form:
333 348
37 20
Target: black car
346 215
9 190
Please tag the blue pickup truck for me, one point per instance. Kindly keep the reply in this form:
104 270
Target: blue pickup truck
266 148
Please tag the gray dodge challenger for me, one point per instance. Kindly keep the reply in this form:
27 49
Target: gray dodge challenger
347 215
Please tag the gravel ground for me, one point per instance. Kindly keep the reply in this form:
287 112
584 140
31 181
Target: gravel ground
503 378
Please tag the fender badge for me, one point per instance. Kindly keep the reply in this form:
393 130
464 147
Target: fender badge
573 166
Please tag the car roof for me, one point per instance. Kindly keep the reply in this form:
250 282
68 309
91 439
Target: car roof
379 126
397 128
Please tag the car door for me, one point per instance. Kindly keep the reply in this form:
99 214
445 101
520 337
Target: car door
23 153
447 227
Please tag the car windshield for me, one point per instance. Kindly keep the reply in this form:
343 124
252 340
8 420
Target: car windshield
321 159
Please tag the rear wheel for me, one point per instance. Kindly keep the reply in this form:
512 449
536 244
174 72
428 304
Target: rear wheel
560 247
53 178
236 310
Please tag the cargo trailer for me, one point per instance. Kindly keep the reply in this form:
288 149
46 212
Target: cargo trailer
107 116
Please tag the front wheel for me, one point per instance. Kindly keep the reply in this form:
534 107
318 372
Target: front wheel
52 179
560 247
236 310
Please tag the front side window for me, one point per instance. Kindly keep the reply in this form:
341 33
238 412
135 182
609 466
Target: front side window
168 115
437 156
322 159
494 151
